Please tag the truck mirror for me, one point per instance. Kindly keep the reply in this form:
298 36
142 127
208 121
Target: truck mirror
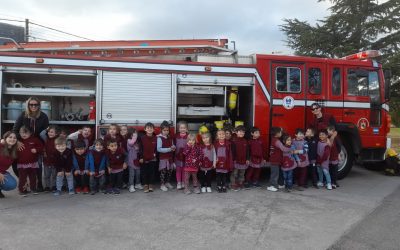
388 75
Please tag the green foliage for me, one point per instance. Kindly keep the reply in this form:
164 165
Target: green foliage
353 26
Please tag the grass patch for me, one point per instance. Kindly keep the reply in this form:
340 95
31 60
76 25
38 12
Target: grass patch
395 135
394 132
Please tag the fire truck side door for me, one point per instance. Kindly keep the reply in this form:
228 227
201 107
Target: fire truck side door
316 91
356 97
288 100
335 90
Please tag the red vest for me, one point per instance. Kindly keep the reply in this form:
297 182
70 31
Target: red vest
149 144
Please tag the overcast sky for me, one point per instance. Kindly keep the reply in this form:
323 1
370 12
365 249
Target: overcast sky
253 24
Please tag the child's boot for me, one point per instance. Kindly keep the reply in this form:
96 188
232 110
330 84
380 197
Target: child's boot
146 188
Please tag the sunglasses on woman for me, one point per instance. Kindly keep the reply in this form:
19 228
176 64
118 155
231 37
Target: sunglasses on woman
33 105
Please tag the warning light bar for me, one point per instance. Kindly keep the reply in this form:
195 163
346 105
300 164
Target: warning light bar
363 55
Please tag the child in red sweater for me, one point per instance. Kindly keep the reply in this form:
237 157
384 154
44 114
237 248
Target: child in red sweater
240 152
50 173
148 157
193 159
256 158
336 146
27 162
224 158
116 163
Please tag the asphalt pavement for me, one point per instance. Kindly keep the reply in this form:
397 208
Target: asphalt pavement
248 219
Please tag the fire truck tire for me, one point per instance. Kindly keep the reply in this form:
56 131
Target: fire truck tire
346 159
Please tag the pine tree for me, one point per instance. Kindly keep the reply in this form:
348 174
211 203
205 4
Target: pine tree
353 26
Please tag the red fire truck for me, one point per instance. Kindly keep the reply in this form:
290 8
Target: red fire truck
273 90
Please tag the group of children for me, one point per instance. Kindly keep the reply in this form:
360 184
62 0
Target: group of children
125 157
303 157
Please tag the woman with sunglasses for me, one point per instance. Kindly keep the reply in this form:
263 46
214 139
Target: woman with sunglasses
36 121
321 120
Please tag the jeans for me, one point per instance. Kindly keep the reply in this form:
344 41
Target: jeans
60 180
288 177
116 179
97 183
324 172
50 174
273 179
10 182
134 176
237 174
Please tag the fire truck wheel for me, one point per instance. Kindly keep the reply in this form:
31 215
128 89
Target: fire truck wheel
346 160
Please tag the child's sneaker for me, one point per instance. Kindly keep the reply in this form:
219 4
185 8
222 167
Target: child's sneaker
139 186
57 193
78 190
116 191
256 185
71 192
272 189
169 186
235 187
108 191
329 186
150 188
93 192
281 186
203 189
334 186
247 185
132 189
224 190
209 190
179 186
320 184
219 189
35 191
187 191
164 188
146 189
85 190
23 193
196 190
287 190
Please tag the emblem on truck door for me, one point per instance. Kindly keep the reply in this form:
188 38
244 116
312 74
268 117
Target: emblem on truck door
363 124
288 102
109 115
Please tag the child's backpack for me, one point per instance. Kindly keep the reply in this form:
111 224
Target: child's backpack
392 161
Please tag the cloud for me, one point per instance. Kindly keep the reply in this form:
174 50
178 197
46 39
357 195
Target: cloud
253 24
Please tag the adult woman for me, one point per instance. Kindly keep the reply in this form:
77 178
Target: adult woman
8 153
36 121
321 120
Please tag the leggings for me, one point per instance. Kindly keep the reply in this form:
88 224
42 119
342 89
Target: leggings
24 175
221 179
194 179
165 175
205 178
180 175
